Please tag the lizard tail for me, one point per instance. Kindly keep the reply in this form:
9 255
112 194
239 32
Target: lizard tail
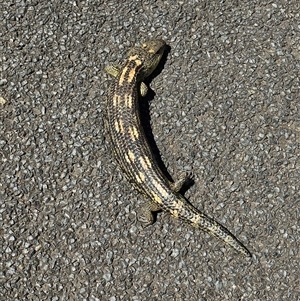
200 220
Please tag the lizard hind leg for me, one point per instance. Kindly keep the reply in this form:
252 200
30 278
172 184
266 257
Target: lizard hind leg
183 180
147 210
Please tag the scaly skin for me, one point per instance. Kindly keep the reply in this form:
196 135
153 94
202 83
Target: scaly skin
132 150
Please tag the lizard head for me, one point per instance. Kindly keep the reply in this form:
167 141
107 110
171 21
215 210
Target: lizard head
149 53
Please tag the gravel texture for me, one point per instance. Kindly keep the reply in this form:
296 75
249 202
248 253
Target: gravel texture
225 106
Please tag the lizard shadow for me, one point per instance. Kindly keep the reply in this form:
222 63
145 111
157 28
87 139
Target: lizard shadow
146 122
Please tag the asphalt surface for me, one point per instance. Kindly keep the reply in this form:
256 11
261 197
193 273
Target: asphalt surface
224 106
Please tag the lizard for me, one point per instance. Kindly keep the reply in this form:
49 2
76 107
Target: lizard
132 150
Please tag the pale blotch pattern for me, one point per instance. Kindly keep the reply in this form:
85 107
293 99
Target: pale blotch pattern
117 126
138 62
122 77
121 127
156 198
145 162
127 158
148 161
116 100
133 132
174 213
132 72
162 191
136 59
177 204
133 58
131 75
130 157
195 220
140 177
128 100
214 228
